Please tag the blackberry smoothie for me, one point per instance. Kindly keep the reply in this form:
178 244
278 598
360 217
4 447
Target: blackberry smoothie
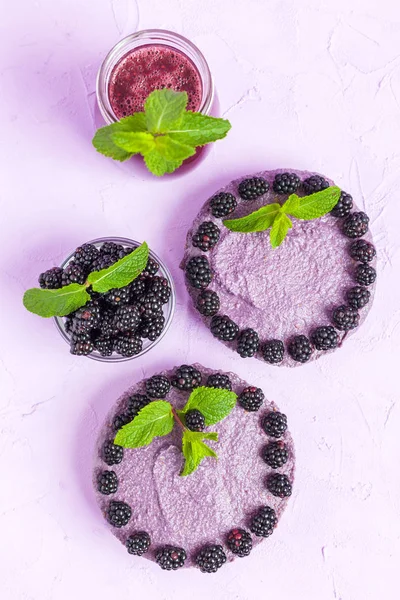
148 68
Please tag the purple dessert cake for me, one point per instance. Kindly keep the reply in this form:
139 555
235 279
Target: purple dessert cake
284 305
213 510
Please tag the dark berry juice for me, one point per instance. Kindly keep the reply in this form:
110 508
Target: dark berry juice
148 68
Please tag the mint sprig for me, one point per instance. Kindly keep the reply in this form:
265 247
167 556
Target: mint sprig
165 134
276 216
156 420
63 301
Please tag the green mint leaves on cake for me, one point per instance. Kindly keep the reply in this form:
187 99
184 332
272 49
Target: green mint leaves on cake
157 419
61 302
154 420
276 216
165 134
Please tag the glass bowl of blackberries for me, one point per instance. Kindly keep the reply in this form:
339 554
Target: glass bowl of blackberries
123 323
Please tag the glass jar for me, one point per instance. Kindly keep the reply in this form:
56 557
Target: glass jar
168 308
152 37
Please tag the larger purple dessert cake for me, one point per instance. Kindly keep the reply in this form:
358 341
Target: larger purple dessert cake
225 506
285 305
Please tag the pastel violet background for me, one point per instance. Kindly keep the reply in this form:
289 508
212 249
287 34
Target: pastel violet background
313 85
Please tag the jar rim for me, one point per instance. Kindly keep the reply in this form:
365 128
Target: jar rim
142 38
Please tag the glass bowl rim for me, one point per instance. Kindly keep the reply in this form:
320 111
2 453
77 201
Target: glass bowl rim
115 358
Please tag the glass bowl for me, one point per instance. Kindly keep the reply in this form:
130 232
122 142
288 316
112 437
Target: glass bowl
168 308
149 37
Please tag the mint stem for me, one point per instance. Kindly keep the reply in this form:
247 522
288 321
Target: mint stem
177 419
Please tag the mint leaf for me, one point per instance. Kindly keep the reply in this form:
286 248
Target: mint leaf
195 450
196 129
154 420
316 205
214 403
279 229
259 220
159 165
103 139
173 150
134 142
120 273
292 203
164 109
56 303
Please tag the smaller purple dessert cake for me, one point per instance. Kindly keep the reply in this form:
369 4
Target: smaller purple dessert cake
193 468
281 266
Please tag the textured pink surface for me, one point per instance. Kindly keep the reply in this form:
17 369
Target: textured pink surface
314 85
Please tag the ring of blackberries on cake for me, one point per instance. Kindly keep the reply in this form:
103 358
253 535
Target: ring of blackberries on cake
223 509
117 321
290 304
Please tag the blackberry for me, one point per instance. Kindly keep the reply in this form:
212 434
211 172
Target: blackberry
107 324
222 204
314 184
264 522
343 207
138 543
149 305
186 378
103 262
325 338
198 272
81 344
358 297
240 542
127 345
157 386
208 303
365 274
118 296
195 420
135 404
273 351
127 318
206 236
151 328
223 328
362 251
345 317
355 225
51 279
138 287
300 348
107 482
74 273
279 485
170 557
86 318
250 189
274 424
151 269
220 381
118 513
251 398
85 255
248 343
112 454
104 345
160 287
112 249
275 454
211 558
286 183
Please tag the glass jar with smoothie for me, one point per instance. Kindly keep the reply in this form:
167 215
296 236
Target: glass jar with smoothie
149 60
